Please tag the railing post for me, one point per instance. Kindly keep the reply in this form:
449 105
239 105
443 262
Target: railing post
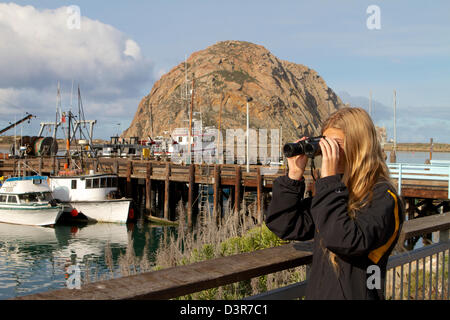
399 180
444 235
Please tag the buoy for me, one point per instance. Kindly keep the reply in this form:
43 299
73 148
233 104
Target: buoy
131 213
74 213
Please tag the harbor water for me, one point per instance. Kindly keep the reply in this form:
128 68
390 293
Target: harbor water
419 157
36 259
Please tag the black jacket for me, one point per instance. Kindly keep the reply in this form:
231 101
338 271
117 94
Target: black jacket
358 243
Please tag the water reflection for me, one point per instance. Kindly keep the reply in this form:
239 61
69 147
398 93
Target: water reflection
35 259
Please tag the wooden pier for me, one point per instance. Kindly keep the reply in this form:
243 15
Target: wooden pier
161 184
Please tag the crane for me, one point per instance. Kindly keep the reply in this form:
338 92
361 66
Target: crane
28 117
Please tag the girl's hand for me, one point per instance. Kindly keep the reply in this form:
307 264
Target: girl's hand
330 157
297 165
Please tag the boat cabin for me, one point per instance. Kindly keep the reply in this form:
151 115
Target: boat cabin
25 190
94 187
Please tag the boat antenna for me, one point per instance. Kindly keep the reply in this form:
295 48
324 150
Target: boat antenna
58 105
71 96
15 136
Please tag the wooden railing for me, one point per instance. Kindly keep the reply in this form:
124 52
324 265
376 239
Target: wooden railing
437 173
181 280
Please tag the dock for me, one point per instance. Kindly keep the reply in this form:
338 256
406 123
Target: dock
162 184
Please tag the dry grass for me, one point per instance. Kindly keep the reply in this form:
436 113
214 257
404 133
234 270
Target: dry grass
236 232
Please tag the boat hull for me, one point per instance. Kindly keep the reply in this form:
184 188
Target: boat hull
33 216
115 210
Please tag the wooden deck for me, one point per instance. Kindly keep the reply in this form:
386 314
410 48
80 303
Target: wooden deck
229 175
143 177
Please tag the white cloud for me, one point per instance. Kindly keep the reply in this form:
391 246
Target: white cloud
38 48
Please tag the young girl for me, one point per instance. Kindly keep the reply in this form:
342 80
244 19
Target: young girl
355 216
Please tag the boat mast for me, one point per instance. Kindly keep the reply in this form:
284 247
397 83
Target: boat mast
190 121
58 104
68 139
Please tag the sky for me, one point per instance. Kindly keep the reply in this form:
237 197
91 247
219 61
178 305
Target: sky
119 49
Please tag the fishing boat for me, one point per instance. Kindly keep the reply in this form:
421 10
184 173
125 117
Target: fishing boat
87 195
28 201
91 195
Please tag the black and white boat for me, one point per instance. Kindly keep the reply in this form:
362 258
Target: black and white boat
93 195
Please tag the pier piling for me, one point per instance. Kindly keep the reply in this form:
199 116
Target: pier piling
148 190
237 189
259 189
129 187
167 191
190 194
216 187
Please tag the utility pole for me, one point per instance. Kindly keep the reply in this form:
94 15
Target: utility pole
370 103
393 155
218 133
248 124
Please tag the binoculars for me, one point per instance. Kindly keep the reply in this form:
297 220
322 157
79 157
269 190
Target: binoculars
309 147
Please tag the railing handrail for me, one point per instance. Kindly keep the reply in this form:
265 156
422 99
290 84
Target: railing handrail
435 171
298 290
181 280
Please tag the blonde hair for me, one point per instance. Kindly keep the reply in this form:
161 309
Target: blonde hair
364 161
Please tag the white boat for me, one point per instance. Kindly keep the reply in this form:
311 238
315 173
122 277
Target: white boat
203 143
92 195
28 201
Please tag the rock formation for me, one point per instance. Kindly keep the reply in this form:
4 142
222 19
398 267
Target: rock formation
285 94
